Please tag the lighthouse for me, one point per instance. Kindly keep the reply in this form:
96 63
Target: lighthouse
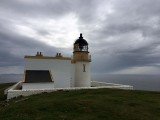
50 73
64 72
81 63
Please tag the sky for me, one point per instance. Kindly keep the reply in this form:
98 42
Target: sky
123 35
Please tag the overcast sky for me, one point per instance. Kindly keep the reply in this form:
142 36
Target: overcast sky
123 35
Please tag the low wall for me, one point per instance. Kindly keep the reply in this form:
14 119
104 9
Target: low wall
13 92
110 85
16 86
16 93
38 86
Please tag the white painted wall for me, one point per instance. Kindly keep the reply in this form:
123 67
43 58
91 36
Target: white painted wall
60 69
38 86
72 75
82 79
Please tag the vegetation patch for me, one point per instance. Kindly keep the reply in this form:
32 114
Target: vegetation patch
96 104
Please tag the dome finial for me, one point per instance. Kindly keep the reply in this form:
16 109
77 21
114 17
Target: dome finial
80 35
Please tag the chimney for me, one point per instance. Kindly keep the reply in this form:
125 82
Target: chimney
37 54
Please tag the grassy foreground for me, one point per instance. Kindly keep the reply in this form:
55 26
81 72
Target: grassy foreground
101 104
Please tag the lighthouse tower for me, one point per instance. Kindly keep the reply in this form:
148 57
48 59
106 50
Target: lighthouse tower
81 60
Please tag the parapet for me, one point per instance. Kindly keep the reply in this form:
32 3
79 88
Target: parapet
39 55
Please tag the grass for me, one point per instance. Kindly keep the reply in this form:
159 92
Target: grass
101 104
2 88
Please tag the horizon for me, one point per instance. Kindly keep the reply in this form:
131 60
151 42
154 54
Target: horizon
139 82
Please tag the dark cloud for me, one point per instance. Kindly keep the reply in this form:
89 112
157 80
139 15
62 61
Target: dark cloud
50 8
15 46
129 37
121 34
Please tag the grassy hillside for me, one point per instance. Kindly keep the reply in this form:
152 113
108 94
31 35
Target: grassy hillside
102 104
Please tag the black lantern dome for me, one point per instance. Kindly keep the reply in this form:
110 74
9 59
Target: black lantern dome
81 44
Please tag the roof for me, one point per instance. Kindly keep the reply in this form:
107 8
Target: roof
47 57
37 76
81 41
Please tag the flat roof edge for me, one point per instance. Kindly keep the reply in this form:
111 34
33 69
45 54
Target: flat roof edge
47 57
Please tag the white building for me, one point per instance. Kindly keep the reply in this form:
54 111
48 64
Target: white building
51 73
64 72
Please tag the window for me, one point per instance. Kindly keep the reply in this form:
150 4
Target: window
84 68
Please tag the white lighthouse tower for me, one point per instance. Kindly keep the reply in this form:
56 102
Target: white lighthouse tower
81 62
